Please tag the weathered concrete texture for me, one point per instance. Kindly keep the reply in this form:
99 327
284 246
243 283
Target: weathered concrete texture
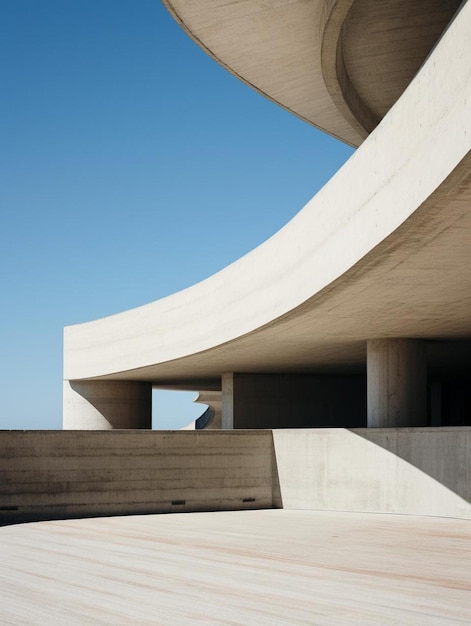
54 475
255 568
295 401
105 405
50 475
419 471
397 383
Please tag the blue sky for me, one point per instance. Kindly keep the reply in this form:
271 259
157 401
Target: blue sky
131 166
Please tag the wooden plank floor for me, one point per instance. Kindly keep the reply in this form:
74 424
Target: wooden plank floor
250 567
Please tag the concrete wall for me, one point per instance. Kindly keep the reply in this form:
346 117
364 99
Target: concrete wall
298 401
54 474
58 474
418 471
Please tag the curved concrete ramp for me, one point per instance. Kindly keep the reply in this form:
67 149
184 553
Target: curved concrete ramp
346 269
249 568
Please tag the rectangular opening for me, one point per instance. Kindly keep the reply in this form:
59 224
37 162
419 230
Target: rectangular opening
248 500
174 502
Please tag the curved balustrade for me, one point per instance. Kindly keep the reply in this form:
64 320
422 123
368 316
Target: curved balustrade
205 419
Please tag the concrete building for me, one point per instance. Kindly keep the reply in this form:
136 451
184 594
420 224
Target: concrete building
336 357
335 360
357 313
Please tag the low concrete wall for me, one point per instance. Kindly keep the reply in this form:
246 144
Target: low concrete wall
60 474
417 471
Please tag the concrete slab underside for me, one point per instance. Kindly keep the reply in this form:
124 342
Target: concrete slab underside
248 567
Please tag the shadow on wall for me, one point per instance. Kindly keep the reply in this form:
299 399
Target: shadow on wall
440 454
299 401
63 474
419 471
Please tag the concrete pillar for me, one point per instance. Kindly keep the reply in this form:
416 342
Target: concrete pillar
397 383
227 388
106 404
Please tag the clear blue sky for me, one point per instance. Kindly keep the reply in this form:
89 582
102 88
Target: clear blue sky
131 166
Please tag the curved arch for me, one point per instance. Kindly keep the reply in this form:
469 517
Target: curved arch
371 51
337 79
273 48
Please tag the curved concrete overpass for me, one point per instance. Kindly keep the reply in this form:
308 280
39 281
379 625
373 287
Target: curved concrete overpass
378 257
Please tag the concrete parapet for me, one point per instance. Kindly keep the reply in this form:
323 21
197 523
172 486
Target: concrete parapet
60 474
415 471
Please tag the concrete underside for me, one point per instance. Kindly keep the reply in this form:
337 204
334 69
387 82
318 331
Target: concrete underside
307 56
249 567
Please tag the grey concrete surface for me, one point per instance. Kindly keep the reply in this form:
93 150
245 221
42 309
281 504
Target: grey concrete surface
62 474
238 568
370 52
397 383
106 405
227 404
415 471
274 48
306 56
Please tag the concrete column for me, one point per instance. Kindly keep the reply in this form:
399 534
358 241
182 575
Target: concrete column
397 383
227 387
105 405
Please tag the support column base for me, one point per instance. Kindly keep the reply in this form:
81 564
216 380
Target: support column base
106 405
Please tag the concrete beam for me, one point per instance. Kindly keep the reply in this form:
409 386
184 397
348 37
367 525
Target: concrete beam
397 383
227 416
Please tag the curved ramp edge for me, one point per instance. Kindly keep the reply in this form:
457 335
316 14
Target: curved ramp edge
383 184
